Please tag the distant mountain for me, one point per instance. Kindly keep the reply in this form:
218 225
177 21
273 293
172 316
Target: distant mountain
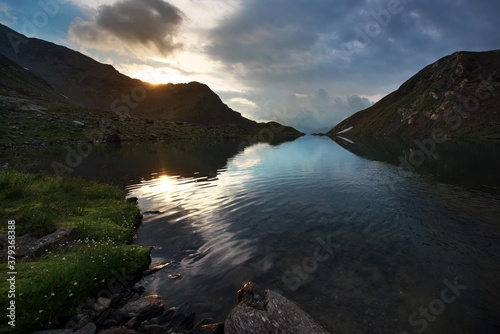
91 84
457 96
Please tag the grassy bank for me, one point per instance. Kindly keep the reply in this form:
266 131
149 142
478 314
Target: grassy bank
49 288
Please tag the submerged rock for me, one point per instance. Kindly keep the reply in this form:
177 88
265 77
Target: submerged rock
265 311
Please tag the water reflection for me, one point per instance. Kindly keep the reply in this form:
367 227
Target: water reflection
473 164
131 163
262 214
226 216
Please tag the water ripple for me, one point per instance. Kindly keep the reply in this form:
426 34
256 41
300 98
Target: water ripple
271 208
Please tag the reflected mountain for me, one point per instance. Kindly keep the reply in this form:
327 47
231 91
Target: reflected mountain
126 163
472 163
131 163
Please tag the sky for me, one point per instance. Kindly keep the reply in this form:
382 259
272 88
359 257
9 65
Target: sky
308 64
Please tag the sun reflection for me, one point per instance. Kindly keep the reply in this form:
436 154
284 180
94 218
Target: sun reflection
165 183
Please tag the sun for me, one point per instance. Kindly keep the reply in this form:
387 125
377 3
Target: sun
158 76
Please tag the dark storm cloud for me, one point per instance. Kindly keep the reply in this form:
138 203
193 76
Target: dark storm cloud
279 39
148 23
364 47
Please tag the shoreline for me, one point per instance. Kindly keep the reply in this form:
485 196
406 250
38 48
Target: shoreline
113 302
70 238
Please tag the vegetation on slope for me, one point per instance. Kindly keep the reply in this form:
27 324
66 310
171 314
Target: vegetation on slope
49 288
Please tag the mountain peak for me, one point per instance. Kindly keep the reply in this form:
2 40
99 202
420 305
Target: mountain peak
458 95
91 84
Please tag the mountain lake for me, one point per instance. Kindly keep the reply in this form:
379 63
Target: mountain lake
361 241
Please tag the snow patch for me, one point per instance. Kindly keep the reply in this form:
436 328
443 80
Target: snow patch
345 139
345 130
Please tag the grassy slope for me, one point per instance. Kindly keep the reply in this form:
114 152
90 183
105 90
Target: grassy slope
49 288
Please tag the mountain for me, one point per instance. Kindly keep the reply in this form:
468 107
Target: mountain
90 84
19 82
457 96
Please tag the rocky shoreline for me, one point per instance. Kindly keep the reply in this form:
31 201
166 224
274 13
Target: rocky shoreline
129 312
124 309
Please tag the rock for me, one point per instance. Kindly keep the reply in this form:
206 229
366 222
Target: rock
133 323
80 321
132 200
90 328
138 288
155 268
142 309
152 329
78 124
119 330
113 138
55 331
118 298
108 323
176 318
217 328
153 212
268 312
175 276
27 245
59 237
101 305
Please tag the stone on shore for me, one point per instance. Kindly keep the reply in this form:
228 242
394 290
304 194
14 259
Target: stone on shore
265 311
27 245
142 309
119 330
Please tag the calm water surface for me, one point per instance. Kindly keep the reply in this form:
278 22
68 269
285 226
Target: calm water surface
336 227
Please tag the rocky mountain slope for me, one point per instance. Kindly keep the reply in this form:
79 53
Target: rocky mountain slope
457 96
90 84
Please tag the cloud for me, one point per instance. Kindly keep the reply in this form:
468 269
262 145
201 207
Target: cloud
4 9
293 47
306 112
5 14
283 42
133 25
274 55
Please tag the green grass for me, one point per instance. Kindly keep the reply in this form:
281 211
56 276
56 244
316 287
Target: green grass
49 289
